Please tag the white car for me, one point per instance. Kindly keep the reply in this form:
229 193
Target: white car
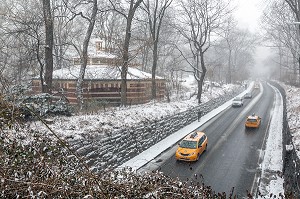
238 101
248 95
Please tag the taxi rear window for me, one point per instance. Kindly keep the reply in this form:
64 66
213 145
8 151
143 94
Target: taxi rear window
251 120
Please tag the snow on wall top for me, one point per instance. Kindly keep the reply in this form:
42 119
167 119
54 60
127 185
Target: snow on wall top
101 54
100 72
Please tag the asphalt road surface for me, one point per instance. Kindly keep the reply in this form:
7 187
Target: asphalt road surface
232 160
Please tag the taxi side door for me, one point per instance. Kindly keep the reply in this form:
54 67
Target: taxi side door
201 144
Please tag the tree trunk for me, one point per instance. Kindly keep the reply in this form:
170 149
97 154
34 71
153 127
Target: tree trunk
154 66
229 68
48 47
202 76
125 63
198 75
155 22
298 71
84 57
125 53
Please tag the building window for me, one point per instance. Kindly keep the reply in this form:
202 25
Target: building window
77 61
99 46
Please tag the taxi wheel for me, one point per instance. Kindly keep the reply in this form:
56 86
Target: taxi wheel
205 147
198 156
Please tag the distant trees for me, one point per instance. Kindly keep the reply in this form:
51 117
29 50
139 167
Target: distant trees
281 24
31 40
22 41
109 27
238 45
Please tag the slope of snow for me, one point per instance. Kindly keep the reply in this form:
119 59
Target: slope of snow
116 118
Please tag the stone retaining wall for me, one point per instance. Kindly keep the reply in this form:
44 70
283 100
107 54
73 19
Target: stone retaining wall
105 153
291 163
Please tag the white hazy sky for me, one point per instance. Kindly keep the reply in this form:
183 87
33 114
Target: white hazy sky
248 13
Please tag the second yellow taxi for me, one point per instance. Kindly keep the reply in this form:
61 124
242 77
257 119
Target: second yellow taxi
252 121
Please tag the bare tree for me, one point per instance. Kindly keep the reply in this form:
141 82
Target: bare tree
63 33
83 5
155 11
226 33
24 41
295 8
48 46
133 5
200 18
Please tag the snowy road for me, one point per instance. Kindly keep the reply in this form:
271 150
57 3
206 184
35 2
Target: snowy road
234 156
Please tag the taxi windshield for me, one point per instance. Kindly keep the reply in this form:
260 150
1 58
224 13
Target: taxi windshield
188 144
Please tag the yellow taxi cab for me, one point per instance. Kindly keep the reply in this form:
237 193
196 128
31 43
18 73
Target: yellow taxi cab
252 121
192 146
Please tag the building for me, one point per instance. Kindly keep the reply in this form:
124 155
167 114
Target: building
102 81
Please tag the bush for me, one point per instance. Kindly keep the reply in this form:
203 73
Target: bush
9 114
45 104
42 104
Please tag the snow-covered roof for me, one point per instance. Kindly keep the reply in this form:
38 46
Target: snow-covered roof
94 72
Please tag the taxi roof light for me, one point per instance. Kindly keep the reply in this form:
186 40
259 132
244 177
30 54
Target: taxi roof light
193 135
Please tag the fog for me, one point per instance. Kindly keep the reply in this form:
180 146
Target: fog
248 15
264 63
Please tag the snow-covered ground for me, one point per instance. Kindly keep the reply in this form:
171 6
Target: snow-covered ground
108 121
